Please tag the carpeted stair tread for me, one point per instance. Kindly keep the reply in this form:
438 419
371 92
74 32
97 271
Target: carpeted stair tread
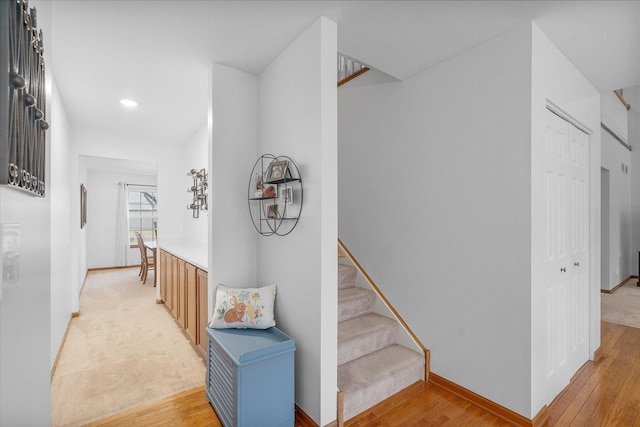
362 335
371 379
346 276
354 302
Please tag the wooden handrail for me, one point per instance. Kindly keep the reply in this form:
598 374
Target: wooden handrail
427 354
347 79
621 98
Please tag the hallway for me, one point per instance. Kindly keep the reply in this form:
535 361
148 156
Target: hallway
124 351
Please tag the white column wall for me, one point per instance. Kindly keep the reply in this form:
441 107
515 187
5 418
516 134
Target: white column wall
232 137
434 202
555 79
632 95
25 304
61 223
78 235
614 156
297 118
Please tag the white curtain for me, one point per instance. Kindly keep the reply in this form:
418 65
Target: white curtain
122 226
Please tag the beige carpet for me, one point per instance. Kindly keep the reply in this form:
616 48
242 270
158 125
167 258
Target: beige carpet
123 351
623 305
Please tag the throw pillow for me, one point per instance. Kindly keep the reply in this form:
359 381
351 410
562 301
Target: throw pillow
248 308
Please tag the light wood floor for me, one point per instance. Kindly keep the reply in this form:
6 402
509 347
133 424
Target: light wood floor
605 393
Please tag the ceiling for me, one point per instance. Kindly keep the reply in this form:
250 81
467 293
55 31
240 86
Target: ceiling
157 52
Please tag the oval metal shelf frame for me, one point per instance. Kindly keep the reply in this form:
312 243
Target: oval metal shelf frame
273 224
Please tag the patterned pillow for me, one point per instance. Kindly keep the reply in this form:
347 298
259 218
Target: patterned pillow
250 308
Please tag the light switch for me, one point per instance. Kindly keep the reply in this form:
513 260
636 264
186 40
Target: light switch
10 256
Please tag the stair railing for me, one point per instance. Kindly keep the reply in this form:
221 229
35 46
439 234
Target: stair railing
349 69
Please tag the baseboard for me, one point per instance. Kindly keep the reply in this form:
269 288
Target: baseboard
488 405
303 419
542 419
615 288
64 339
116 267
597 355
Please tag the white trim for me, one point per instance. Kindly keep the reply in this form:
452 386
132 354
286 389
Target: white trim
558 111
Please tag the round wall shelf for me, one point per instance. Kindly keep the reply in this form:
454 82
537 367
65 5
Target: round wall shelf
275 195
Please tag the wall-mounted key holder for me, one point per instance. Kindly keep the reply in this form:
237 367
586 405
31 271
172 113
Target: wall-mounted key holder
199 191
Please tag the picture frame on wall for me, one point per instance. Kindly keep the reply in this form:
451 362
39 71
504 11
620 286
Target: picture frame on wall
287 195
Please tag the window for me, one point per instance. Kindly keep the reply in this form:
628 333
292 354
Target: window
143 213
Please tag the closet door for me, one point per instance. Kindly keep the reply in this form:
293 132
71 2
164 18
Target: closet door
566 258
578 248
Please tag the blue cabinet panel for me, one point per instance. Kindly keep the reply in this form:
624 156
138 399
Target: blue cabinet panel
250 377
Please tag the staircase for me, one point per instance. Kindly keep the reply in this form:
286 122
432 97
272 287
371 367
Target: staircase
371 365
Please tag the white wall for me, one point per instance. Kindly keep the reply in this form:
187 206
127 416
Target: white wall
555 79
25 305
297 118
232 128
434 202
614 155
632 95
196 154
61 206
102 212
79 235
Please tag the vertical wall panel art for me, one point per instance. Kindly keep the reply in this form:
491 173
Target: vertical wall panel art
23 101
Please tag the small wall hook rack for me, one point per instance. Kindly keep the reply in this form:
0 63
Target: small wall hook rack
199 190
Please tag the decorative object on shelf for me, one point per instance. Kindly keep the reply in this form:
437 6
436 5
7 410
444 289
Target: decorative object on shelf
199 190
23 110
272 211
270 191
275 195
287 195
277 171
83 205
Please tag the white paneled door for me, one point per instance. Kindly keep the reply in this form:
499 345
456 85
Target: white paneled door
567 249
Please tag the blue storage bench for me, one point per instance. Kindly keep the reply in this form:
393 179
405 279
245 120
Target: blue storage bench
250 377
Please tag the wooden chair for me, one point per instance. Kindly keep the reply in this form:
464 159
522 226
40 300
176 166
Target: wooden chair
147 262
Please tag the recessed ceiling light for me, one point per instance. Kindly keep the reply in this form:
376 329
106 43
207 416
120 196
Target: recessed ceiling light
129 103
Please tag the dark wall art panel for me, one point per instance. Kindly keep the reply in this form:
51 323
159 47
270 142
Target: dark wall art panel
23 100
